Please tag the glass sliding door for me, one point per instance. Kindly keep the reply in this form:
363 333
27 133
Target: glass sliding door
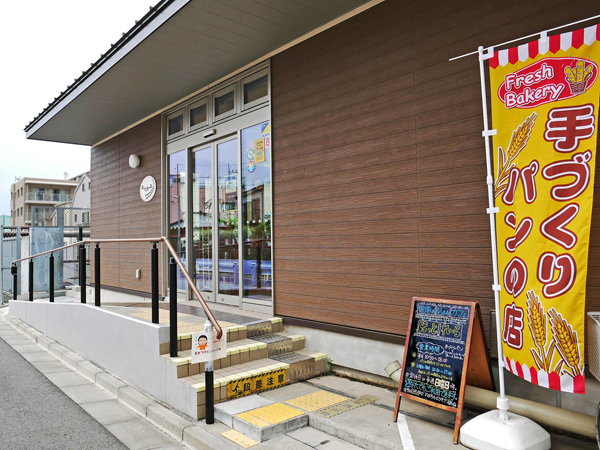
230 192
202 220
178 209
227 221
256 212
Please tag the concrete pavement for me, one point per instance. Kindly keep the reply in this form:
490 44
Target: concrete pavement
55 407
34 412
104 397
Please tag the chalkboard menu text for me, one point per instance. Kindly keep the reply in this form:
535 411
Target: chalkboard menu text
437 352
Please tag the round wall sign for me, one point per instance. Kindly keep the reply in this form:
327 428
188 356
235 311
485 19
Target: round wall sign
148 188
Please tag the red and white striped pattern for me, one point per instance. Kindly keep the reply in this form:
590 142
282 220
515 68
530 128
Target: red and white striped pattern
565 383
553 44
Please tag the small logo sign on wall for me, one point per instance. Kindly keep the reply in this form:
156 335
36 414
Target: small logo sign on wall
148 188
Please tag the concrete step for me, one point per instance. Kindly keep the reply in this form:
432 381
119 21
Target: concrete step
242 351
257 376
234 332
260 419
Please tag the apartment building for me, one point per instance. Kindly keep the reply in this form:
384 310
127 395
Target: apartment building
29 192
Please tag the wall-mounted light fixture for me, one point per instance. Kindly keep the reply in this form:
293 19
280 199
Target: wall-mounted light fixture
134 161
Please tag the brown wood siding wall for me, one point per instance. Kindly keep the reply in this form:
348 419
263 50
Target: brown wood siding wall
117 209
379 164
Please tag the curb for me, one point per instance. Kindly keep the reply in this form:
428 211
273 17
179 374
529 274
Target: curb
188 432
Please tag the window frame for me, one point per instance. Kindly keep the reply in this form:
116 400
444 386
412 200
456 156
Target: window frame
206 101
179 112
217 122
249 79
221 92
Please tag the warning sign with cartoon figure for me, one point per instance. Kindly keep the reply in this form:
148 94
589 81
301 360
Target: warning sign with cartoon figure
206 346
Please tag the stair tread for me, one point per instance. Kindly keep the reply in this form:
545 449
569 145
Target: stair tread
229 326
246 369
239 344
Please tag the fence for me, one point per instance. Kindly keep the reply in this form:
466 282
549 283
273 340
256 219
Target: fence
75 225
52 227
10 249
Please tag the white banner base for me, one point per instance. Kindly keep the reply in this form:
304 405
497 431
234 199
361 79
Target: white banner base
489 432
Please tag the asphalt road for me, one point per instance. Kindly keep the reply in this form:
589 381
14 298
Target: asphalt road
35 414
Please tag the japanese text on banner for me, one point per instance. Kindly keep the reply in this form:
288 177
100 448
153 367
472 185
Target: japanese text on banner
544 107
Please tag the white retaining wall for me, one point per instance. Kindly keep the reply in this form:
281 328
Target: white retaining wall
125 346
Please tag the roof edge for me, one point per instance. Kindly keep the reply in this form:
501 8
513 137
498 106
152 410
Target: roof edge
155 11
368 4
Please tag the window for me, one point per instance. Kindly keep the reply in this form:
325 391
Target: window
256 88
178 208
89 185
245 93
21 191
21 210
175 124
225 102
199 113
75 217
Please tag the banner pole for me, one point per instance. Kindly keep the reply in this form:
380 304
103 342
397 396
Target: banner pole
502 401
498 429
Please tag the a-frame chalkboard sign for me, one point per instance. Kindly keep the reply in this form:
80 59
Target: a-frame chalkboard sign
445 350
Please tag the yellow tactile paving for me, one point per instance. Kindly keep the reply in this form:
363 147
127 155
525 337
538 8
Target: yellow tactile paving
239 438
316 400
271 414
260 423
182 325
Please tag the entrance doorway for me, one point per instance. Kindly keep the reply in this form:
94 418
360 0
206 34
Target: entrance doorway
229 254
231 218
215 214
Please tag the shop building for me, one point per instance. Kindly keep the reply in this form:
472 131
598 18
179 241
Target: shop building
322 162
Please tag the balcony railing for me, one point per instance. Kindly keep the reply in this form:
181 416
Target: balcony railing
48 197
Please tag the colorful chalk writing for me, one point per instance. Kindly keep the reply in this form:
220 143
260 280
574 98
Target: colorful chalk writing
436 352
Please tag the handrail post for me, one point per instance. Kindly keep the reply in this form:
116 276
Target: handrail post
173 307
13 271
31 280
154 272
82 272
97 275
51 277
209 379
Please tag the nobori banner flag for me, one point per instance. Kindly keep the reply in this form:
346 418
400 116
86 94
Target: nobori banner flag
545 109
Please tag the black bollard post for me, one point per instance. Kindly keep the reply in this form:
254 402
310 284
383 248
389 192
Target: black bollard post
173 306
31 280
51 277
13 271
82 272
154 272
97 275
209 380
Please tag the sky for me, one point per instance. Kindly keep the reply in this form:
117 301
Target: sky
44 46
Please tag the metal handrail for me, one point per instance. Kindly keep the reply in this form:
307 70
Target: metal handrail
173 253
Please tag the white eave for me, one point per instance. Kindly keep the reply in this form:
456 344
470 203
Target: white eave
180 47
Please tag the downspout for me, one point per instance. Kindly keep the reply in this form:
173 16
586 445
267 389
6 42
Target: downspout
550 416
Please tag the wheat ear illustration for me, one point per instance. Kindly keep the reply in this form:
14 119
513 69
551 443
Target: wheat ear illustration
518 141
537 325
566 341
